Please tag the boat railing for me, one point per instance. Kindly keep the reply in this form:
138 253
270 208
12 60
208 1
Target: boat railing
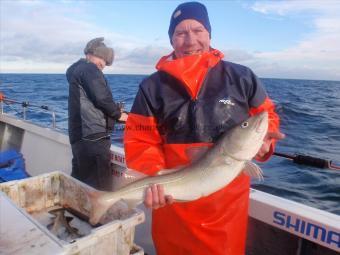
25 105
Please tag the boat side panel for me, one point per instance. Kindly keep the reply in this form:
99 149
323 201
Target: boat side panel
44 149
44 155
10 137
320 227
266 239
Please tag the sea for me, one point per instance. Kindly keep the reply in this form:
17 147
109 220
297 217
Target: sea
309 112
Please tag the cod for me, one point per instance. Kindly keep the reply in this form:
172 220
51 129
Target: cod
220 165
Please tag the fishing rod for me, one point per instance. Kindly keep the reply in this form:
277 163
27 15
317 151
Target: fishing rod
308 160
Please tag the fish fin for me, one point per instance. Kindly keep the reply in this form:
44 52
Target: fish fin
133 175
169 171
68 218
253 170
127 176
195 153
99 206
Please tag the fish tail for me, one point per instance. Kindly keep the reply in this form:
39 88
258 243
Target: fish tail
99 205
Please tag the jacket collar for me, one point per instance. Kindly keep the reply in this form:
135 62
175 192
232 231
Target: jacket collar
190 70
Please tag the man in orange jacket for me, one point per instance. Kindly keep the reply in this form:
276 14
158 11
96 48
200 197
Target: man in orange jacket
189 102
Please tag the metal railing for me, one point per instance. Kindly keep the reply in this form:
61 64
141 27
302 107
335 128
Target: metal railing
25 105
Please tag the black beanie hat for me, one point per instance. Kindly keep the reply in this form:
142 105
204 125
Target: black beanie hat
189 10
97 48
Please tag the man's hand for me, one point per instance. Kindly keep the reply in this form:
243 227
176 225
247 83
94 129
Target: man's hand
267 141
123 117
155 198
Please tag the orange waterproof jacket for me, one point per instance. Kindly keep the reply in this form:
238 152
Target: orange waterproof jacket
189 103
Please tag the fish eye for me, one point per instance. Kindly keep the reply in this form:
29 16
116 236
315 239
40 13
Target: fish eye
244 124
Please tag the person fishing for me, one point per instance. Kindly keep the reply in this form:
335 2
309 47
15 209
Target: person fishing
91 116
192 99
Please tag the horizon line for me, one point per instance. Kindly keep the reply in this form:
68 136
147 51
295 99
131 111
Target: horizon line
304 79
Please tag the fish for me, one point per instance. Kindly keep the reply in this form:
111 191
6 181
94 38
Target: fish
62 222
228 157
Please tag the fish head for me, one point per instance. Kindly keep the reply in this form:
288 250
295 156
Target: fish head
244 141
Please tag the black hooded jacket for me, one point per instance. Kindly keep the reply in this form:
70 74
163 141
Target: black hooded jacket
91 108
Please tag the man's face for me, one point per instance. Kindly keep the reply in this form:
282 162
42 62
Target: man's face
99 62
190 37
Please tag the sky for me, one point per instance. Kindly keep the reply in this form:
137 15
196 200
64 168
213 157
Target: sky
276 39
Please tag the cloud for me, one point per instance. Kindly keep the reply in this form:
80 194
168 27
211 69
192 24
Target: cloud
40 33
296 6
236 55
314 57
46 36
141 60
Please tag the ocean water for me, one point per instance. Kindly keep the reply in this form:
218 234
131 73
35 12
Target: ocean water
309 112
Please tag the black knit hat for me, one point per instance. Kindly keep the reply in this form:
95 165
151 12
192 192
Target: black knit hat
189 10
97 48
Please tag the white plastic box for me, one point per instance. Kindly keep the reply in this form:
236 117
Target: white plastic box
32 195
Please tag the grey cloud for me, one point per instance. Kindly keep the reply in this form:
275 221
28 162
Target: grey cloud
35 48
52 38
138 60
237 55
42 33
149 55
269 69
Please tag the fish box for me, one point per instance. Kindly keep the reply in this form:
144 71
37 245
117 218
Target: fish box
27 225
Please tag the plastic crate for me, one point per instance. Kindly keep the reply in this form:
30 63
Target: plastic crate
38 194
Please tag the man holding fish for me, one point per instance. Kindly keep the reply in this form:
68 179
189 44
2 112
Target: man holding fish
188 105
